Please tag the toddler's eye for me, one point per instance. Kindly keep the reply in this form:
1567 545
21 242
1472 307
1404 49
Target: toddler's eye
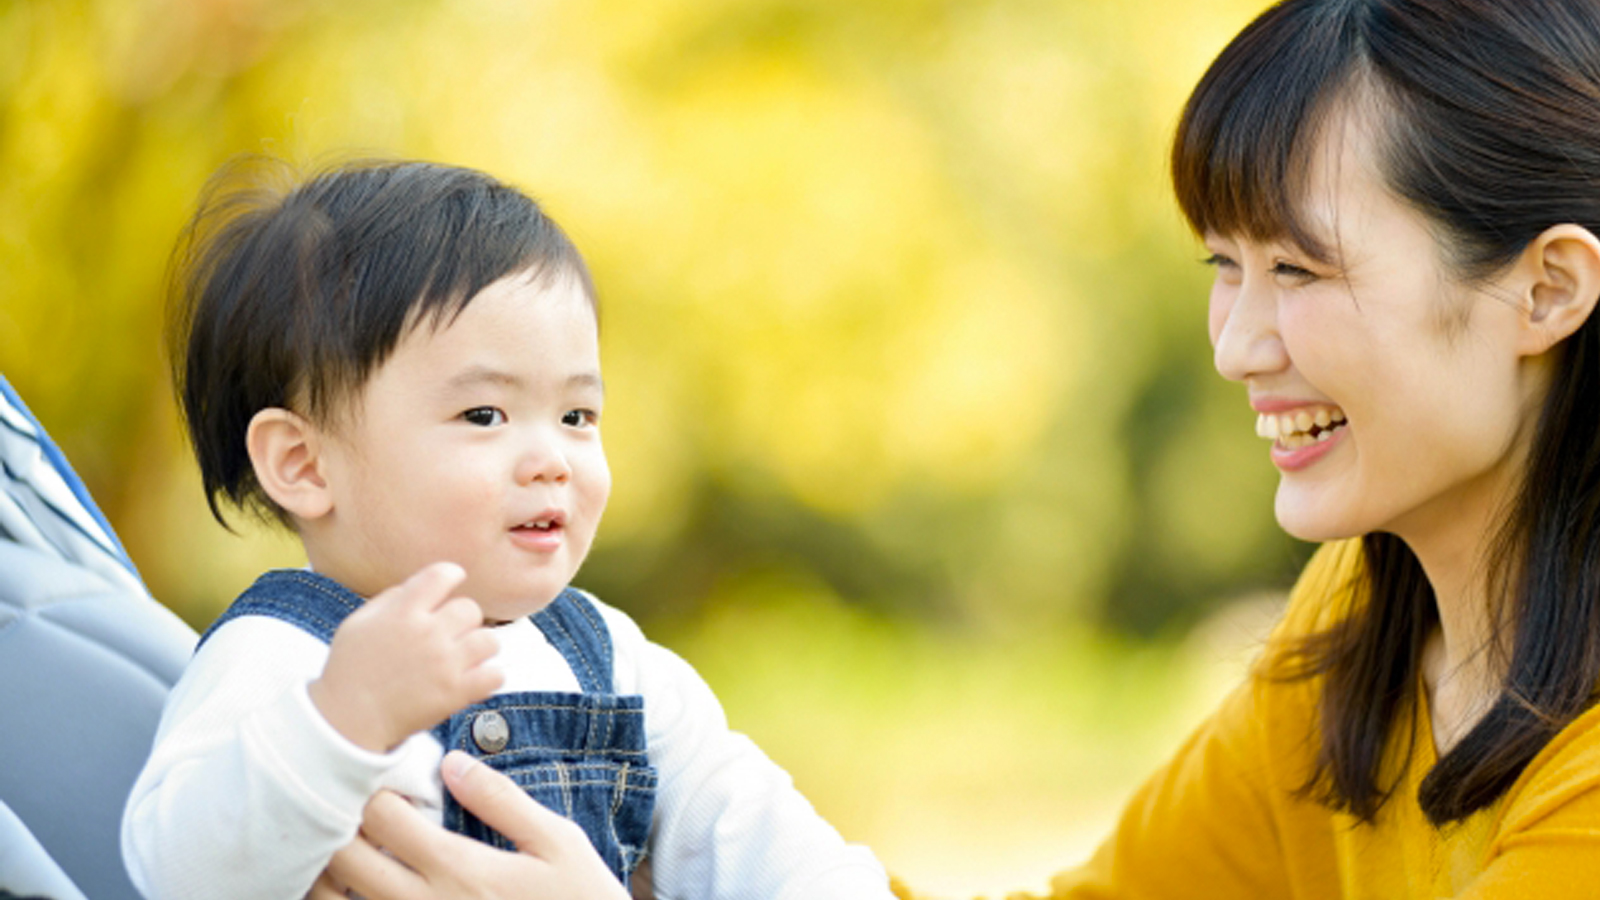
485 416
577 418
1217 260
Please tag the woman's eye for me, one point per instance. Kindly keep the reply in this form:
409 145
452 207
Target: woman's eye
1218 261
1292 271
578 418
485 416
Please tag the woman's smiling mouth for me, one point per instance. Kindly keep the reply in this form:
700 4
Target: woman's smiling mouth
1300 428
1301 436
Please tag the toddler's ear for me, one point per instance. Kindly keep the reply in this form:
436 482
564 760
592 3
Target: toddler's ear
286 453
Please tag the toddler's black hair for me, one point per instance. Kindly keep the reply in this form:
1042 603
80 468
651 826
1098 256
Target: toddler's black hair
292 296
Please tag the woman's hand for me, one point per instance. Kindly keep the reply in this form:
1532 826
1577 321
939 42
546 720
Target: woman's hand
400 855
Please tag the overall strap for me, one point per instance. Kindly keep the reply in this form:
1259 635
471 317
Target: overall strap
315 603
572 625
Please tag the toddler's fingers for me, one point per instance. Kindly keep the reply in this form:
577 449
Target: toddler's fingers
479 646
458 615
479 684
426 589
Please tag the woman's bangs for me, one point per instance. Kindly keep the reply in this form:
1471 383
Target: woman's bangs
1243 146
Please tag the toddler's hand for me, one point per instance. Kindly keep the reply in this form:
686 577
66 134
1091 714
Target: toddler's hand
405 660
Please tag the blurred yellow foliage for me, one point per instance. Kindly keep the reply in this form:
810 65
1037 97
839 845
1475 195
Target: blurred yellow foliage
895 308
887 264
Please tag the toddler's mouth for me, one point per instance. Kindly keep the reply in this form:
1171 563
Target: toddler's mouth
545 522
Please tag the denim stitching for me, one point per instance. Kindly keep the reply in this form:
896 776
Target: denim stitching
575 783
578 652
565 784
603 635
558 707
462 745
611 820
638 778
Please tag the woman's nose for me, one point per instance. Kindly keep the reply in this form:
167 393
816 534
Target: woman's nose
1244 329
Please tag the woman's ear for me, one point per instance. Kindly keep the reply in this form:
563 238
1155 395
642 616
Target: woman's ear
286 453
1564 265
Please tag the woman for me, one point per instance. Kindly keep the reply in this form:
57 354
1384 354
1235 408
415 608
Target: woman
1401 199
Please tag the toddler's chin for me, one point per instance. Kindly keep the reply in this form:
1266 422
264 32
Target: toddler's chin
499 612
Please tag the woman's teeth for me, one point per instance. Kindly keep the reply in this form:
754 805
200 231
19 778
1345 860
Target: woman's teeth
1300 428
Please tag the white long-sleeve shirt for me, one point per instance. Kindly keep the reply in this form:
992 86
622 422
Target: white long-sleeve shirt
249 791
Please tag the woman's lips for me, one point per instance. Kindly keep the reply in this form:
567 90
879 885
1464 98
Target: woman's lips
1303 452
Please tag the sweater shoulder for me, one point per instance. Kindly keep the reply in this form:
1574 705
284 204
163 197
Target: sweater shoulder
1324 595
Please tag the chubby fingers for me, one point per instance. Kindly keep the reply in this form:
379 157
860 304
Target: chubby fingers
481 679
426 590
473 646
425 599
459 615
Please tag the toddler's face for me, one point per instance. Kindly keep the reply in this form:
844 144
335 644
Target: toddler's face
477 443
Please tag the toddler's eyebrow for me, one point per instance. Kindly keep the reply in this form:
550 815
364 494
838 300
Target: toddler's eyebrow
483 374
587 379
478 374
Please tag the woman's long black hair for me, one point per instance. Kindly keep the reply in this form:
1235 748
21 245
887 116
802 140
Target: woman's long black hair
1489 116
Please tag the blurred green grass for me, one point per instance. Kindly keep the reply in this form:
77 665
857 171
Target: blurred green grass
972 765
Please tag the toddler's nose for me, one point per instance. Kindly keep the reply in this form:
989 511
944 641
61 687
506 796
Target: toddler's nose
545 462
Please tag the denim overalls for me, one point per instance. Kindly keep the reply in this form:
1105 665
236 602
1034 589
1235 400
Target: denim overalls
582 755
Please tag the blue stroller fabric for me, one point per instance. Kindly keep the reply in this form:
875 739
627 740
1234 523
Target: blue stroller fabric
44 505
87 658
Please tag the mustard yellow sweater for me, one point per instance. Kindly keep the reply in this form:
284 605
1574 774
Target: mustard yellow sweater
1220 820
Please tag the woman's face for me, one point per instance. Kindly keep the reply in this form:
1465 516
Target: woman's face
1394 394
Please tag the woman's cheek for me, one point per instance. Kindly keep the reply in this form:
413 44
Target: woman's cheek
1218 308
1307 337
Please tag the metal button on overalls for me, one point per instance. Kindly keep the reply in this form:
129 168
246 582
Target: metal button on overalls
490 731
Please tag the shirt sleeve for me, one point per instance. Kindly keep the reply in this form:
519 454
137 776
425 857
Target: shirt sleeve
248 791
729 823
1200 827
1547 843
1211 823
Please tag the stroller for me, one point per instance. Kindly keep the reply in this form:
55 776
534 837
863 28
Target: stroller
87 657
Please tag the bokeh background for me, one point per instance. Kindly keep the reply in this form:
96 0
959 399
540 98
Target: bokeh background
919 455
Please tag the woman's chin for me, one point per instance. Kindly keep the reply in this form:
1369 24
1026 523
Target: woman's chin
1312 519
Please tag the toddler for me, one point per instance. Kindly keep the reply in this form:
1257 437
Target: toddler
400 362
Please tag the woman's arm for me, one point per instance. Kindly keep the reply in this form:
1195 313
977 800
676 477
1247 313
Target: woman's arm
400 855
1221 819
